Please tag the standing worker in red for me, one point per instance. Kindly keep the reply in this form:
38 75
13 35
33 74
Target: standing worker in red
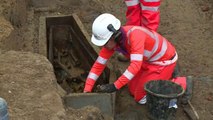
152 57
143 13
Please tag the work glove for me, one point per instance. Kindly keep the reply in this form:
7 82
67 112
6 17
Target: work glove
107 88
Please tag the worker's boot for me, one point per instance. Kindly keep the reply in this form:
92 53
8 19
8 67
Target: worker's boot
176 71
122 58
187 96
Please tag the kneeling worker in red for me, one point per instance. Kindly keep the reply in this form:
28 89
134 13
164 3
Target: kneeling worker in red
152 57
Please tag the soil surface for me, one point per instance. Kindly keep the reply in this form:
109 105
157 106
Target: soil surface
27 79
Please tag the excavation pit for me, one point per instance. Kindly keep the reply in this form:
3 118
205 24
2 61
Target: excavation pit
72 56
70 53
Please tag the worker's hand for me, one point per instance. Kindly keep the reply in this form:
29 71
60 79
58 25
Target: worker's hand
107 88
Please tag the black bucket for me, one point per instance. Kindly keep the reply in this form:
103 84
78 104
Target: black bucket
161 97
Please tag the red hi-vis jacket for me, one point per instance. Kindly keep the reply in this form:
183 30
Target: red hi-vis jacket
139 44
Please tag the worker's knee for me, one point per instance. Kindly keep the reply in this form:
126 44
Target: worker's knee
142 100
140 97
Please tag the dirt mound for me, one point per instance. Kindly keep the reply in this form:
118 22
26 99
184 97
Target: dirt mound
28 84
5 28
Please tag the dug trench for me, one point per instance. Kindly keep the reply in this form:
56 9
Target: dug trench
70 53
72 57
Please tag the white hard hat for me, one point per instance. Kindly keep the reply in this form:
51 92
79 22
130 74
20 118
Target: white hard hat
100 33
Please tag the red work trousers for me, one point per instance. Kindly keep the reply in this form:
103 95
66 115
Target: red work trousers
150 72
143 13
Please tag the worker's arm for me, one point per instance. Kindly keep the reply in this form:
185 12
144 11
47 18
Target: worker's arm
137 41
97 68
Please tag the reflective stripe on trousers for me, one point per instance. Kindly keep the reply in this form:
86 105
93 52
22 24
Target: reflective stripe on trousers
143 100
